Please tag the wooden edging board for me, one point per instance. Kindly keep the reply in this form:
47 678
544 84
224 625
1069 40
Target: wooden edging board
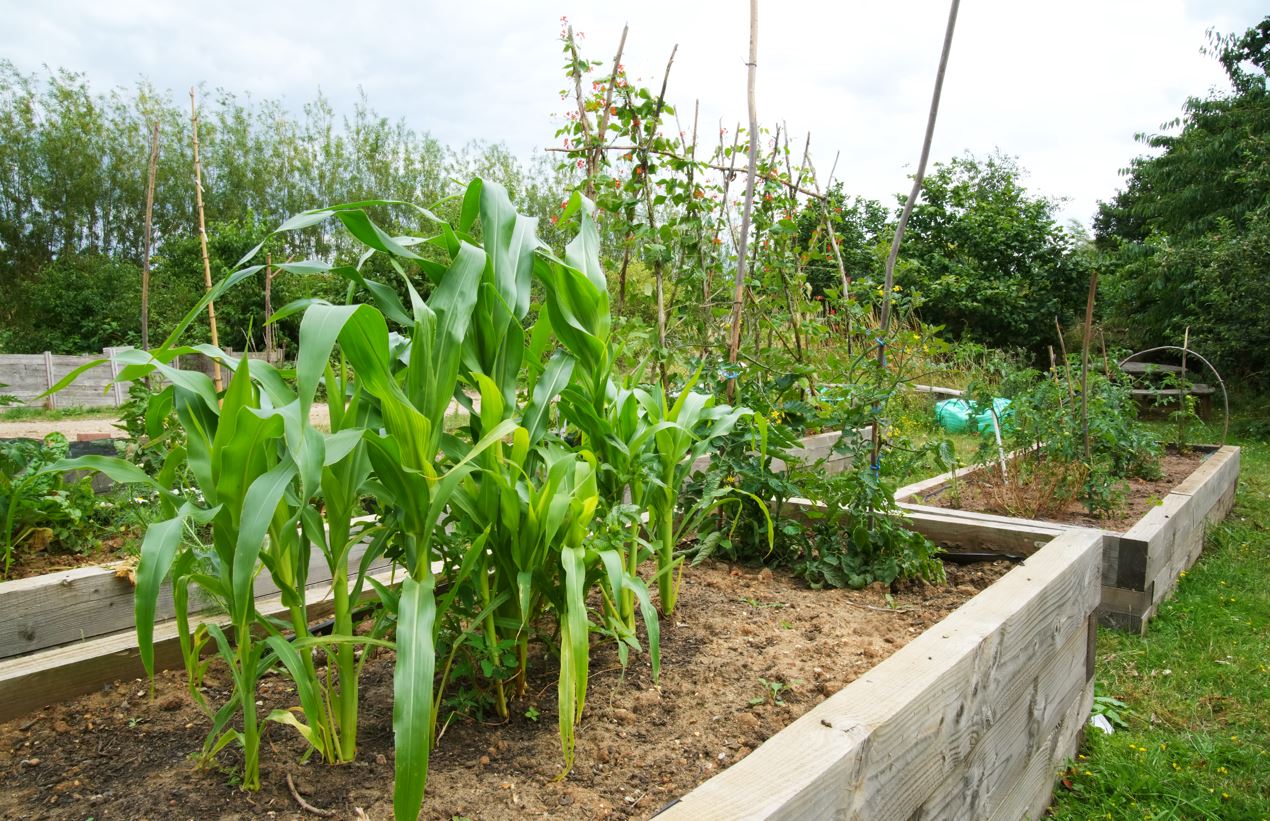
969 720
1141 565
50 676
71 606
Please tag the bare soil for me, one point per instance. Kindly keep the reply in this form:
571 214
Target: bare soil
1142 495
32 558
119 754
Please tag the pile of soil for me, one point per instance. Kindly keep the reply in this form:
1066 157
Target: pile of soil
747 652
1143 494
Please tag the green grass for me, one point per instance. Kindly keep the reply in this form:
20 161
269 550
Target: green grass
1197 688
42 414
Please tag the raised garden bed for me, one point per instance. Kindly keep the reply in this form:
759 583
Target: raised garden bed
968 718
1142 559
72 631
67 633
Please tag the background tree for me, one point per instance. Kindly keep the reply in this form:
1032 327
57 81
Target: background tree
1185 241
988 257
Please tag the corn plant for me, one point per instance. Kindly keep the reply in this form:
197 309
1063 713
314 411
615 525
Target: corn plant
531 516
678 433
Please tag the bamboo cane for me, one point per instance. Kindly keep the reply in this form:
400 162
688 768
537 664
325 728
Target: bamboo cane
734 343
145 256
202 240
916 191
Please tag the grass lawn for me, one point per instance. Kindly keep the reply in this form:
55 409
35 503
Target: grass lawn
24 414
1196 689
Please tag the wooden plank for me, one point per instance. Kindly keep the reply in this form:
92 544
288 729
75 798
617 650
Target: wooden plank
880 747
50 676
1208 468
925 487
988 518
1008 537
1031 792
86 602
1014 738
50 401
1022 538
1198 389
1124 561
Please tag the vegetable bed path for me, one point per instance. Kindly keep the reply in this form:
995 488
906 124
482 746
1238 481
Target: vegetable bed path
976 494
748 651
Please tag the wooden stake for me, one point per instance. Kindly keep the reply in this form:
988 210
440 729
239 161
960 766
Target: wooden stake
1067 366
145 255
738 294
658 272
916 191
269 328
1084 362
202 240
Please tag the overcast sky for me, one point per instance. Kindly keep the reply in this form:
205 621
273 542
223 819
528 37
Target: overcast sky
1064 87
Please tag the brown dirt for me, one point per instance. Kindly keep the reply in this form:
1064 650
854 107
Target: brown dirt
116 754
33 560
1142 495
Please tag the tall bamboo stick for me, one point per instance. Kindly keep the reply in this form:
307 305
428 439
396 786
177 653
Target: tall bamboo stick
658 265
145 256
1084 362
916 191
738 295
202 239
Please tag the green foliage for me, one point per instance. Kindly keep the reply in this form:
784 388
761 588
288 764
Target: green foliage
860 535
1045 422
988 257
38 506
78 303
1186 241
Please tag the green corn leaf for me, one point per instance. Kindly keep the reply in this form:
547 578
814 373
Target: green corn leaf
574 654
412 713
308 691
258 508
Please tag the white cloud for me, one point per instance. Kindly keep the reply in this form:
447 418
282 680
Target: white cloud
1062 87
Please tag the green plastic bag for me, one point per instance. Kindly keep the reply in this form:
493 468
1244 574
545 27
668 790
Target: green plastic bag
954 415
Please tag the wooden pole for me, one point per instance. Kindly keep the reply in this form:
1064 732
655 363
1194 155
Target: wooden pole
1084 362
145 254
595 154
202 240
916 191
269 328
1067 366
738 294
658 266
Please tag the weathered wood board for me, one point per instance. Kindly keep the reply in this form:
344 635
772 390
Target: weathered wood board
969 720
80 604
49 676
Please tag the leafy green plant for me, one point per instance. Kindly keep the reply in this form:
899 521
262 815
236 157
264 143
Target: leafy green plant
37 504
1111 709
1051 470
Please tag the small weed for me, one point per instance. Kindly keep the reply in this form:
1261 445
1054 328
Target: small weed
774 692
532 713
